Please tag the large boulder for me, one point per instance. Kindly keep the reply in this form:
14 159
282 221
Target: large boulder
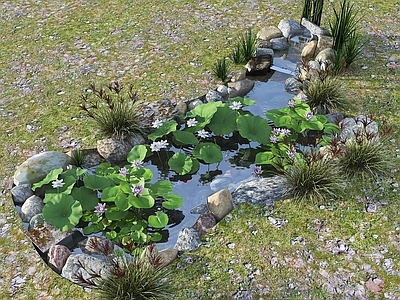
240 88
309 50
82 266
268 33
57 257
264 190
116 150
313 28
35 168
290 28
21 192
31 207
279 44
327 55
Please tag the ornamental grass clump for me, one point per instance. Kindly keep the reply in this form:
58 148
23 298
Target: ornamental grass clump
221 69
314 178
138 277
346 40
116 113
245 48
365 155
325 95
312 10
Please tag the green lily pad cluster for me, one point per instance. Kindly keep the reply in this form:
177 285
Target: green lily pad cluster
118 201
276 147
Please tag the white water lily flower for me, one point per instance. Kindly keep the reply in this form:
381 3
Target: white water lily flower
236 105
157 123
58 183
203 134
191 122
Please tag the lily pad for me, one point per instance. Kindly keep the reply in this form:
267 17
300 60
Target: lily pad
208 152
62 211
180 163
160 220
254 128
223 121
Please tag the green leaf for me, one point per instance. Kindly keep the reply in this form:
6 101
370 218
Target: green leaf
223 121
208 152
163 130
323 119
283 121
161 187
206 110
97 182
156 236
312 125
87 198
254 128
330 128
173 201
109 193
62 211
264 158
51 176
243 101
75 172
180 163
121 201
137 153
185 138
69 182
143 201
160 220
92 228
115 214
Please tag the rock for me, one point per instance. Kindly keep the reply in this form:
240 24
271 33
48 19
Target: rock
326 55
313 28
35 168
359 124
289 28
260 191
181 107
309 50
199 209
35 221
32 206
324 42
264 51
116 150
238 76
220 204
279 44
188 240
194 103
157 110
90 157
168 255
292 86
83 265
57 257
268 33
314 65
259 65
264 44
223 91
335 118
240 88
204 224
21 192
45 235
213 96
96 245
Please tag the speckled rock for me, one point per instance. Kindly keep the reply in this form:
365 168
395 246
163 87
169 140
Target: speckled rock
279 44
35 168
260 191
204 224
292 86
313 28
194 103
327 55
188 240
57 257
35 221
360 124
81 264
32 206
96 245
116 150
324 42
21 192
212 96
220 204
